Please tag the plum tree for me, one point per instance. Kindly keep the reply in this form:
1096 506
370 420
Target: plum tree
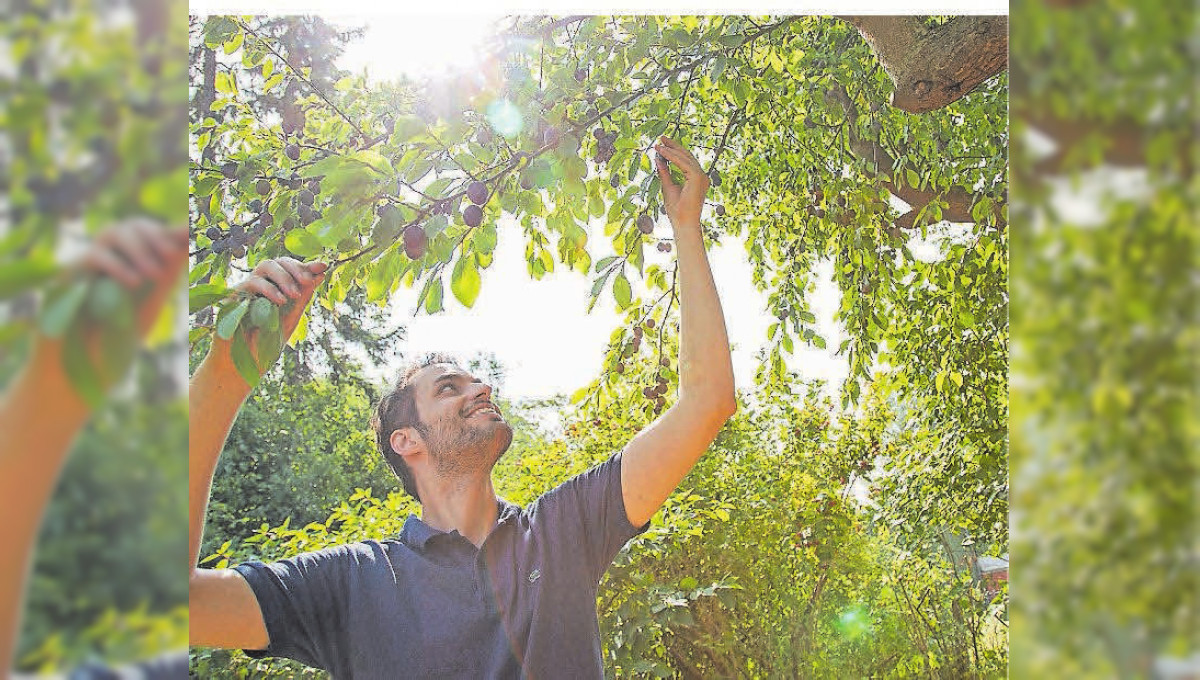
795 119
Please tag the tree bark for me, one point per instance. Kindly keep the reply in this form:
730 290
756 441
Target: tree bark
933 67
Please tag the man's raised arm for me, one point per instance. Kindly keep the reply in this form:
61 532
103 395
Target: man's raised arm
223 611
659 457
41 413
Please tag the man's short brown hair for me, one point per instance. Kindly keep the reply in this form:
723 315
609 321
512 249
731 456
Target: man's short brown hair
398 410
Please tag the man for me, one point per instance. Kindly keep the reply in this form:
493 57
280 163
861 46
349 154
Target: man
41 414
476 587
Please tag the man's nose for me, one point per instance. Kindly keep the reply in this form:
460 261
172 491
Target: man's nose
483 389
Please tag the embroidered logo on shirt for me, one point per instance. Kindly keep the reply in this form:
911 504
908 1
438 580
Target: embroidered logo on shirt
535 575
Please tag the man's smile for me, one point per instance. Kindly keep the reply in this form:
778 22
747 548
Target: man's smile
486 407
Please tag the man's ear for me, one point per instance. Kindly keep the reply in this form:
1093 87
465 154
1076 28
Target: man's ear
406 441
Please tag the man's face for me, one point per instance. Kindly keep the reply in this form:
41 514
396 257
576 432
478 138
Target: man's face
462 428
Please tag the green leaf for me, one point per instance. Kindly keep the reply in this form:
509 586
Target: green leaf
622 292
118 340
464 281
383 274
406 128
205 185
302 243
270 341
433 300
224 83
301 331
78 366
61 309
604 262
436 226
18 277
229 321
272 322
234 44
243 360
104 300
260 310
204 295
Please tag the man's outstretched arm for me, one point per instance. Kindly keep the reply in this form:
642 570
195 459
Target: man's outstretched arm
659 457
223 611
41 413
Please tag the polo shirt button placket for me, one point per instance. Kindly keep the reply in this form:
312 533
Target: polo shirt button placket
481 580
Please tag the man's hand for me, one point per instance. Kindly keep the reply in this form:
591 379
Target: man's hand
286 282
138 254
684 203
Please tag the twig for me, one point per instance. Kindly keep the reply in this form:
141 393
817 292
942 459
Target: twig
299 74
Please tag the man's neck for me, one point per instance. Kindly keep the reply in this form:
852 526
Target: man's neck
464 505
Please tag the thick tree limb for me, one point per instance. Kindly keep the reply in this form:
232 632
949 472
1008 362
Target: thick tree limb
960 200
1126 140
933 67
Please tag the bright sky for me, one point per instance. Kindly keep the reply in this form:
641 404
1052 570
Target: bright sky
539 330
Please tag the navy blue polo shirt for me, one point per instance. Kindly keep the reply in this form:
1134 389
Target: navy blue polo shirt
430 604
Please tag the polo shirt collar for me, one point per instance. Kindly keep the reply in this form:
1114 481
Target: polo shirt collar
416 533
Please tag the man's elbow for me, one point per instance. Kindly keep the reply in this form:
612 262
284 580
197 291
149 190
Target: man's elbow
727 407
723 405
716 405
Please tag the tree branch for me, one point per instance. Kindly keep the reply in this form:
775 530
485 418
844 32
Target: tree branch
960 200
933 67
300 75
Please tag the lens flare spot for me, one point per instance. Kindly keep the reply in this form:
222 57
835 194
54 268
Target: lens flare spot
854 623
505 118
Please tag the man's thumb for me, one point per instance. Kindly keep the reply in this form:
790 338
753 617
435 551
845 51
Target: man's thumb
316 267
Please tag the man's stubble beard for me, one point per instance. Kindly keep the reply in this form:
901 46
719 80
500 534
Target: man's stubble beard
465 450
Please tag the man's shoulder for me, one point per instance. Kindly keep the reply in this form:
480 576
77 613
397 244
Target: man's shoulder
366 551
589 485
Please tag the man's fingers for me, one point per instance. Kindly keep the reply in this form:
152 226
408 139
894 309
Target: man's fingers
264 288
664 173
686 162
132 244
273 271
165 243
285 279
676 146
298 271
104 261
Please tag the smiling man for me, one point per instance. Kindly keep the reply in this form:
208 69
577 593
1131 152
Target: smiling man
476 587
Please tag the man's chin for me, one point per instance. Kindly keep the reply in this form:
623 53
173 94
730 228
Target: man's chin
503 438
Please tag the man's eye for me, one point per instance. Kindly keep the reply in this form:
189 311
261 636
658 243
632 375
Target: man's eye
446 386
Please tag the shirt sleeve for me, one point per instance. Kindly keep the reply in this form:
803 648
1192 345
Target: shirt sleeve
590 506
304 601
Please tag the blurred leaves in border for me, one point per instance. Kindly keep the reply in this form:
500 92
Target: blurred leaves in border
1103 370
93 114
